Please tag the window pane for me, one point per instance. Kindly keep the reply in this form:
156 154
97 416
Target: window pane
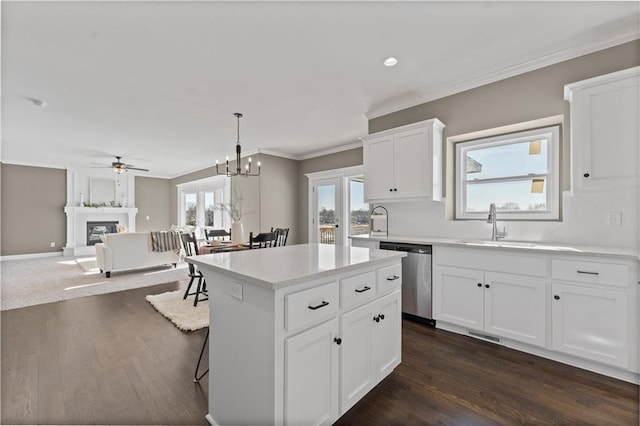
191 209
209 209
358 209
514 159
511 196
327 213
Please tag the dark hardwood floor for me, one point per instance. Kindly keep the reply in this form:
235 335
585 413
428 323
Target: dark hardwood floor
112 359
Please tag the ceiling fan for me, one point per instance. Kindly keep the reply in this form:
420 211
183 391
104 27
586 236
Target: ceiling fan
119 167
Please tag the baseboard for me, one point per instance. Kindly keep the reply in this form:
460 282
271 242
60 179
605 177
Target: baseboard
210 419
30 255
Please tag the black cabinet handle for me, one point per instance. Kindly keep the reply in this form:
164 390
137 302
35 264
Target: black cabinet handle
322 305
479 284
556 297
377 318
390 189
381 316
395 189
586 175
588 272
393 278
366 288
337 340
487 285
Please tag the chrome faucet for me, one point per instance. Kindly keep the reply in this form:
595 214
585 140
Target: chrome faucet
495 234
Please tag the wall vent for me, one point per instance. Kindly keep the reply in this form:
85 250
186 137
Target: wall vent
484 336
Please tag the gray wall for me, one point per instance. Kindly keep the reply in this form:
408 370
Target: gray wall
352 157
529 96
33 200
153 199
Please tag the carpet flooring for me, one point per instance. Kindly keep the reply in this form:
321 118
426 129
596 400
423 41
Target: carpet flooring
28 282
181 312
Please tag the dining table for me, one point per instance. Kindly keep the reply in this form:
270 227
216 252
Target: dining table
222 247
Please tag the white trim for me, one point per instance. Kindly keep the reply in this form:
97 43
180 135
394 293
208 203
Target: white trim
30 256
24 163
320 153
510 128
570 89
433 122
211 420
420 97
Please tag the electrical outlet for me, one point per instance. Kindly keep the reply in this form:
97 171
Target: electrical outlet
614 218
236 290
53 243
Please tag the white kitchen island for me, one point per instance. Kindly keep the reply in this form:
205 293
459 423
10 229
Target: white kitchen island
299 333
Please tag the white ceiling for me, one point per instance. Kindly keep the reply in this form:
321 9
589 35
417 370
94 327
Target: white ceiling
158 82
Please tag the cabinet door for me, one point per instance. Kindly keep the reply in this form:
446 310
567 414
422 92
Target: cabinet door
356 355
604 139
387 335
311 376
591 323
458 296
411 165
515 308
378 168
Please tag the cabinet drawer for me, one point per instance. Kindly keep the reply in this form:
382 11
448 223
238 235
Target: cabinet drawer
389 278
309 306
360 288
589 272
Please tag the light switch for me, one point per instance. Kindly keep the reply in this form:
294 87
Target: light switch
614 218
236 290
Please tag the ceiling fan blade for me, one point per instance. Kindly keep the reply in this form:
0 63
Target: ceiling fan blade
137 168
101 167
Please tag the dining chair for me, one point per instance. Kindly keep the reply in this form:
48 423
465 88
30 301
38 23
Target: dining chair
281 236
262 240
211 234
190 244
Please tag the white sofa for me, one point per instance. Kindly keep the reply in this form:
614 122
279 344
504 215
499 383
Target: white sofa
130 250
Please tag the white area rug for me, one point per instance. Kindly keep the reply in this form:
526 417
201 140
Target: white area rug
28 282
181 312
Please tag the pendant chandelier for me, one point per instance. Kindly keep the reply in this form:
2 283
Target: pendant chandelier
239 171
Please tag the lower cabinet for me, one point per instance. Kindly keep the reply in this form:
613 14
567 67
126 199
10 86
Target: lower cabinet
311 376
504 305
591 323
370 347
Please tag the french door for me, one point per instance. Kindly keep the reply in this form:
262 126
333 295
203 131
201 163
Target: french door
327 211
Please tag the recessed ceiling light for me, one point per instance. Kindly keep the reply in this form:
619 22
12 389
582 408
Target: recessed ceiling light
390 61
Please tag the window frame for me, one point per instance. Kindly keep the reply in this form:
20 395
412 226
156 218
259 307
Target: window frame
220 186
552 177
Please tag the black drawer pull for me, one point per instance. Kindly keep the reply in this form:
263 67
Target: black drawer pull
556 297
322 305
337 340
366 288
588 272
393 278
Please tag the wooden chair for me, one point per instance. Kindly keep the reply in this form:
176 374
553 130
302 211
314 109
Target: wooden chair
281 236
262 240
211 234
190 244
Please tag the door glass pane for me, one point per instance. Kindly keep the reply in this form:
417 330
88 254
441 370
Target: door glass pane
190 209
327 213
209 210
358 209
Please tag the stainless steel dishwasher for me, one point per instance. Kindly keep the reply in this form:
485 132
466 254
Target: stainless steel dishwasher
416 280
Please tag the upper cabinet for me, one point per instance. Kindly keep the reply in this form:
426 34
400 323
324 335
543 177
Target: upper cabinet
604 131
404 163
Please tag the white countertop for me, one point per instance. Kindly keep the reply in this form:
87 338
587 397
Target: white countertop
280 267
560 248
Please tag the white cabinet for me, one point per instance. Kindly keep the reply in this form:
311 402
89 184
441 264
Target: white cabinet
605 111
591 323
311 372
404 163
361 242
370 349
594 310
500 304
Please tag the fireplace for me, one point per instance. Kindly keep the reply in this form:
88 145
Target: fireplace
95 229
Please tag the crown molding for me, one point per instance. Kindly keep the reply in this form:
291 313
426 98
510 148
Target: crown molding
404 102
29 164
346 147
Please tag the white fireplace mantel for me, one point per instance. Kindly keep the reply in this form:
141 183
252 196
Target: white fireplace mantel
78 215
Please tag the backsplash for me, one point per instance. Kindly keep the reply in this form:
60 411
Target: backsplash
584 221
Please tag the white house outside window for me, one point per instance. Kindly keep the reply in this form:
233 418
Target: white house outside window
519 172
